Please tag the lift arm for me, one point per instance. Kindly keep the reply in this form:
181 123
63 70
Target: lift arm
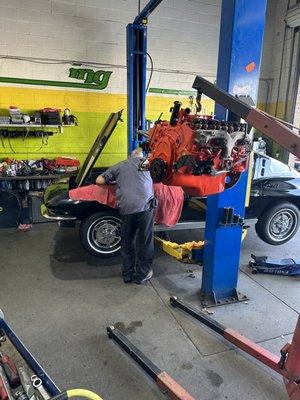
149 8
260 120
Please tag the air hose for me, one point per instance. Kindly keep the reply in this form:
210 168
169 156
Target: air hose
88 394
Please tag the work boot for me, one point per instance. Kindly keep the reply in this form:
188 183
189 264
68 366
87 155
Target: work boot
127 279
144 280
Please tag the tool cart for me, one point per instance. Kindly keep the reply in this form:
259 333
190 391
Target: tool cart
20 372
22 377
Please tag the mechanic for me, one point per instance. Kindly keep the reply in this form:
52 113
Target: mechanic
136 202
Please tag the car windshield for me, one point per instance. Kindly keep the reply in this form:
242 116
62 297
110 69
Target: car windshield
268 167
278 167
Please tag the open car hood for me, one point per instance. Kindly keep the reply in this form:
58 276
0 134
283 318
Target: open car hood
97 147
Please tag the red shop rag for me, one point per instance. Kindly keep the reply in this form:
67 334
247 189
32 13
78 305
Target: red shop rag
170 200
170 203
104 194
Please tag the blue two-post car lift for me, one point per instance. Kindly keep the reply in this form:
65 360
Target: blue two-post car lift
240 48
136 39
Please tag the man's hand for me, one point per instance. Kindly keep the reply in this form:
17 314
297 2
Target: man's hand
100 180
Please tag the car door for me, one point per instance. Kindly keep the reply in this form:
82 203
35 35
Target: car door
259 172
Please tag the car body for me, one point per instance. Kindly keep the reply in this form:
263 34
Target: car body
274 202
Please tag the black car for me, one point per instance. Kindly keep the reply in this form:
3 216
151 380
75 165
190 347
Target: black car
274 202
274 199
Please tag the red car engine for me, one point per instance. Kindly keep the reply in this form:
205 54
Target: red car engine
198 153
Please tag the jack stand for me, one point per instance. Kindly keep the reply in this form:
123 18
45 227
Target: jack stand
162 379
288 366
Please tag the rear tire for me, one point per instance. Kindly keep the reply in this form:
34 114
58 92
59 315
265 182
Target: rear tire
278 224
100 234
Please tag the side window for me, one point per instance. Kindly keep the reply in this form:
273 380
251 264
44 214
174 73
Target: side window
260 167
268 167
279 168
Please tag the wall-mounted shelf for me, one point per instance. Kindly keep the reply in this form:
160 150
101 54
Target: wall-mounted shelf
35 126
29 177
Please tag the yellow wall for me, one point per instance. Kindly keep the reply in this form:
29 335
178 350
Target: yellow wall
90 107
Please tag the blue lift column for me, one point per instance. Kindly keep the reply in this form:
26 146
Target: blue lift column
136 37
240 48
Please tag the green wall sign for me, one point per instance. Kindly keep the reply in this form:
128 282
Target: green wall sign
98 79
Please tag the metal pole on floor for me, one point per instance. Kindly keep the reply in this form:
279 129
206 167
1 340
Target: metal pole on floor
163 380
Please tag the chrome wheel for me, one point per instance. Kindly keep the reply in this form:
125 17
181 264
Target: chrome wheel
104 235
283 224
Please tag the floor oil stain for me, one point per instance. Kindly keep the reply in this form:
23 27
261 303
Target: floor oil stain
130 328
214 378
187 365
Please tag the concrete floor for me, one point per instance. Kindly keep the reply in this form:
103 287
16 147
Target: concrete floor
60 300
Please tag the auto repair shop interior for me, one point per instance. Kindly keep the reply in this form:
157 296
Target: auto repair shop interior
175 273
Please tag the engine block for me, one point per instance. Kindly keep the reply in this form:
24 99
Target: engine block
200 154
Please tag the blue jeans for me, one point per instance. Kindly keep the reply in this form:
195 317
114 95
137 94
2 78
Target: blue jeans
137 249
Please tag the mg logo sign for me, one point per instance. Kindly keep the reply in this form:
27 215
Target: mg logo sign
99 78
